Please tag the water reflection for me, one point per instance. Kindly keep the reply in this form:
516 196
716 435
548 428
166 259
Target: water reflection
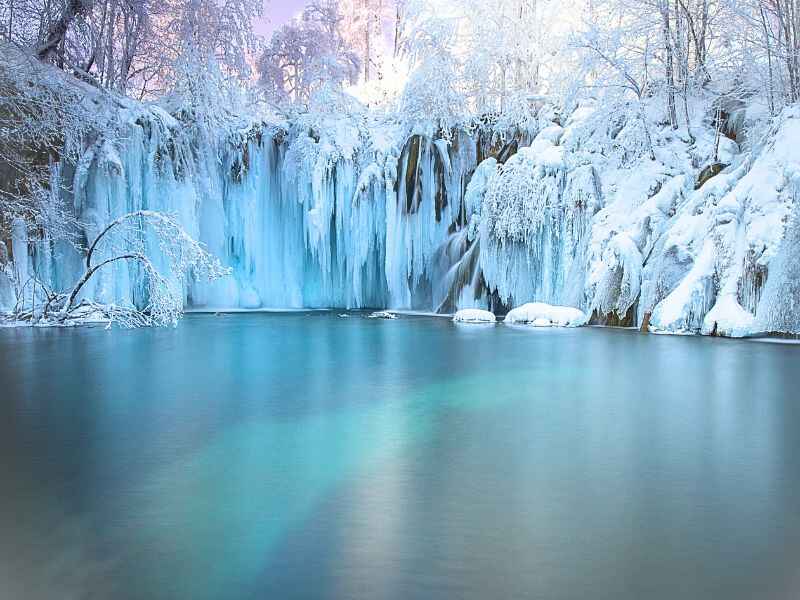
314 457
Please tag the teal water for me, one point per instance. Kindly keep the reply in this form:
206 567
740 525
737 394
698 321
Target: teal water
309 456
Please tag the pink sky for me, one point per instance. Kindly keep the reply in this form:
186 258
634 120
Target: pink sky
276 13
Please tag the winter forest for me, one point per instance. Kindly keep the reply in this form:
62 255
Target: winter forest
620 162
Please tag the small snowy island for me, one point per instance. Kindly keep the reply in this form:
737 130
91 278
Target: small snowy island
536 314
540 314
474 315
382 314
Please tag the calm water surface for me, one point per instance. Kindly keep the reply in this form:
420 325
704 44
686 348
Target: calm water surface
310 456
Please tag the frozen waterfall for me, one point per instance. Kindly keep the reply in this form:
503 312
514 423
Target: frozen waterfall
354 218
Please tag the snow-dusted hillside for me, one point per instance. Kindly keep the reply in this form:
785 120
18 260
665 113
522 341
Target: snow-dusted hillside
346 210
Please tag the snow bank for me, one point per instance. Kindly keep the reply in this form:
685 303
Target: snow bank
708 275
474 315
551 133
382 314
540 314
728 319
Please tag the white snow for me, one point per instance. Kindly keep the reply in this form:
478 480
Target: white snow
728 318
551 133
540 314
474 315
382 314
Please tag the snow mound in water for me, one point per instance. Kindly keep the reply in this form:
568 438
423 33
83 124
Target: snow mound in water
382 314
474 315
540 314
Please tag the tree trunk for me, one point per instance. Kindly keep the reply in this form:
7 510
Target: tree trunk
108 77
366 47
58 32
70 303
700 46
767 43
682 51
643 119
669 74
397 22
10 20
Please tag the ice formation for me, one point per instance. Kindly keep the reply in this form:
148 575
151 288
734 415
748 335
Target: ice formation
347 214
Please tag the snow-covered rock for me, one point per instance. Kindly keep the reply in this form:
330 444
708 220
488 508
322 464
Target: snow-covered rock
551 133
728 318
540 314
382 314
474 315
708 272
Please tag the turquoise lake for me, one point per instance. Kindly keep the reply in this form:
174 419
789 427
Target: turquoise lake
305 455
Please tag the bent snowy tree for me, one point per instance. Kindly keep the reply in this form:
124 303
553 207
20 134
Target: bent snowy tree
125 240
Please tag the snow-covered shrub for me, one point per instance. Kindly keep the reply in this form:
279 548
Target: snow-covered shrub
475 194
431 103
621 275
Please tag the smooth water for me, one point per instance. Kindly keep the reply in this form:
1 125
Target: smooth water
310 456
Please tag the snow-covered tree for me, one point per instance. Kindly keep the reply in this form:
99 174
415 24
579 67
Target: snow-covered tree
42 120
363 28
499 52
197 51
131 46
773 28
306 54
126 240
433 97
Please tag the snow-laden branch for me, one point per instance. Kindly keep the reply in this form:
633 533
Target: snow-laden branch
128 239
